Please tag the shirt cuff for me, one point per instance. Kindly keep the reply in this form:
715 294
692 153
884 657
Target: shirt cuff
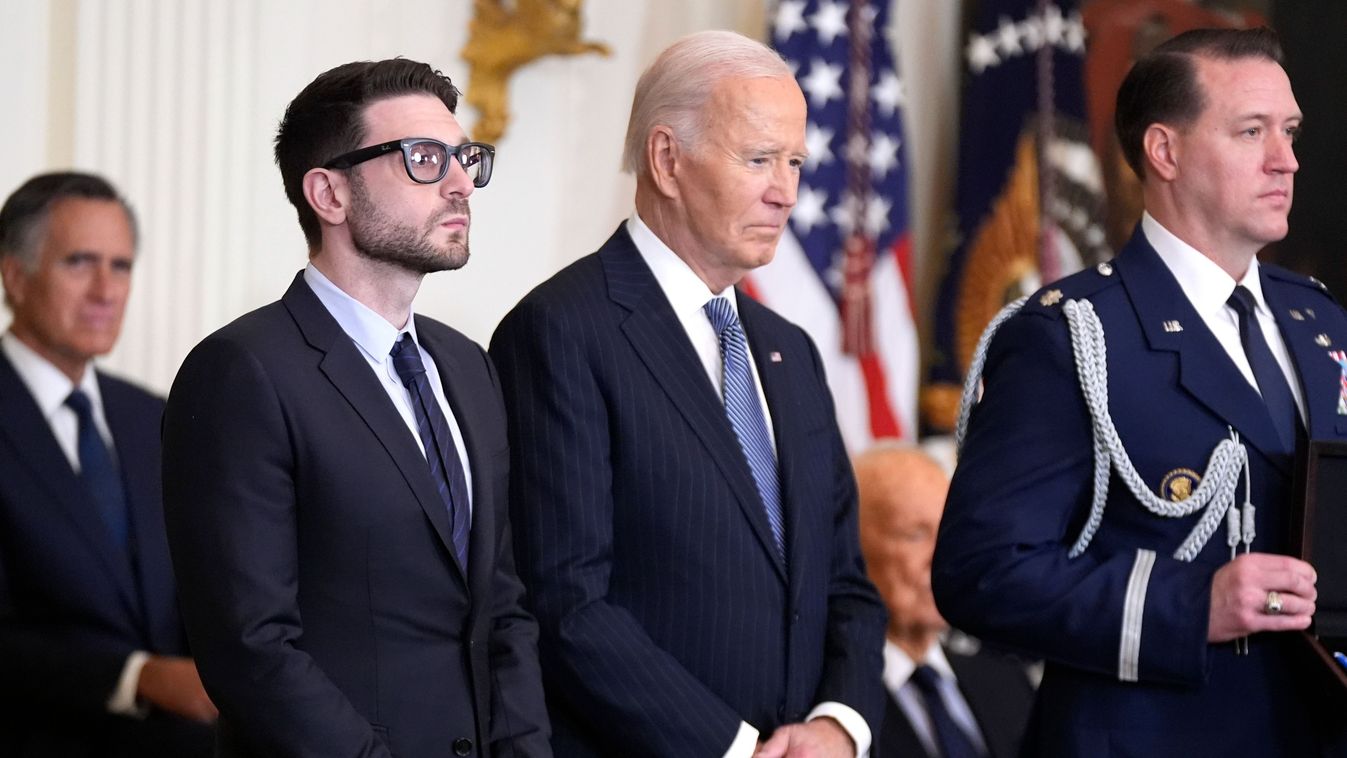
852 723
123 699
745 742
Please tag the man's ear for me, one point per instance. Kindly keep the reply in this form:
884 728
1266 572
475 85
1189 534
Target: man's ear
1160 152
328 194
15 277
663 154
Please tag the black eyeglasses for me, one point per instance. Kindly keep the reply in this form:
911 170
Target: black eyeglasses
427 160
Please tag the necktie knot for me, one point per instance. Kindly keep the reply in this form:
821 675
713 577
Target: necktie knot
407 360
80 404
1242 301
721 314
926 679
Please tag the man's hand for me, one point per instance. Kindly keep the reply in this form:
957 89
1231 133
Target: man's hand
1239 593
820 738
173 684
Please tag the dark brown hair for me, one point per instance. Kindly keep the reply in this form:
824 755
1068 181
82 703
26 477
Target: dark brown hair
1162 87
326 119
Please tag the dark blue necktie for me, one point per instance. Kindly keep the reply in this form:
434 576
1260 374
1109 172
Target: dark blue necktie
950 739
1281 404
100 473
744 410
445 467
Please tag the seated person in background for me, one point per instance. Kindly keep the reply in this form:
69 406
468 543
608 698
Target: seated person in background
943 702
92 651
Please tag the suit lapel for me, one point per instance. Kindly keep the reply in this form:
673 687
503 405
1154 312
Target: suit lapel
1205 369
140 474
468 404
351 375
34 444
659 340
1320 375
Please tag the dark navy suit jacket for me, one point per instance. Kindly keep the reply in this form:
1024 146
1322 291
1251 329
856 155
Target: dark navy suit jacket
73 605
667 615
324 602
1023 487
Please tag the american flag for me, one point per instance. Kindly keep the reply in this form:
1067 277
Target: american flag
842 270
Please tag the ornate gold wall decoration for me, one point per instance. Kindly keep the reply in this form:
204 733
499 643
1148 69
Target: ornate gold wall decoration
507 34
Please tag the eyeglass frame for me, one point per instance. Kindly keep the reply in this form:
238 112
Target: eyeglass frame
356 157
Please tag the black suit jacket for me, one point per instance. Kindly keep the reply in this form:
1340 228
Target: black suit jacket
998 693
667 615
73 605
327 611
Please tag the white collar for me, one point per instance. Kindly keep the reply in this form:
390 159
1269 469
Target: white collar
1206 284
898 666
47 384
371 332
685 290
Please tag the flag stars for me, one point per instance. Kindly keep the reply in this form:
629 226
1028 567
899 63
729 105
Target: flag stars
823 82
883 155
789 19
1011 40
818 142
1074 37
981 53
1007 38
809 210
890 93
830 21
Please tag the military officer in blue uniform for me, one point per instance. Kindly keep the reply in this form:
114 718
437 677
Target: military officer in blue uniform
1121 502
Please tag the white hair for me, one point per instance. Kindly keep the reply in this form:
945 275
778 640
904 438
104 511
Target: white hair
674 89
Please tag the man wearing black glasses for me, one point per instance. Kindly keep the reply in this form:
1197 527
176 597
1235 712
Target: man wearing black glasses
336 476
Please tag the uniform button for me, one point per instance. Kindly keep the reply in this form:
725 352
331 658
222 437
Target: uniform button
462 746
781 713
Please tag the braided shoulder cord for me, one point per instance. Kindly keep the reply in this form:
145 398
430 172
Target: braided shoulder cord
1216 490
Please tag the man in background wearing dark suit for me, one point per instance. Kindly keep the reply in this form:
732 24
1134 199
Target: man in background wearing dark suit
945 701
335 477
685 508
93 658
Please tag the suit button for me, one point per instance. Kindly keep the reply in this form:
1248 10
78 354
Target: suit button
462 746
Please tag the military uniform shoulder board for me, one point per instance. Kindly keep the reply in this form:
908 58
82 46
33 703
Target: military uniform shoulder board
1049 300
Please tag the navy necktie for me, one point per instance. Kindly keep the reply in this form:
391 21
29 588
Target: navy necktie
445 467
100 473
949 737
1281 404
744 410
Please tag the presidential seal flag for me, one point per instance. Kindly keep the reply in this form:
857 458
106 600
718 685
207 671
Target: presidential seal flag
842 269
1030 198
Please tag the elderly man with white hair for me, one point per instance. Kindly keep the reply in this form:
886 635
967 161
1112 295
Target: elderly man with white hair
684 509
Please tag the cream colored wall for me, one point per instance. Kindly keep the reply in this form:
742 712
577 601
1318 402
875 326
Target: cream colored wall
176 101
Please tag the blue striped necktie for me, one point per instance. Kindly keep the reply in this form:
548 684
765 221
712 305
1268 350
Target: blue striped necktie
445 467
100 473
744 409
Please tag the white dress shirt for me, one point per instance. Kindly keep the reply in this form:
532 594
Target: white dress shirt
374 337
1208 287
687 294
898 668
50 388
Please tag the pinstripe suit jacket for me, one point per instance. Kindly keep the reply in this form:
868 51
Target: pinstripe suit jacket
667 616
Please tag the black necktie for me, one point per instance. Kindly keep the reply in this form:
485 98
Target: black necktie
1281 405
445 467
100 473
949 737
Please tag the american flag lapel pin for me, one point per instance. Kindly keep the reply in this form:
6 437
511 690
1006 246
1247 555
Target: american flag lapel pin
774 357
